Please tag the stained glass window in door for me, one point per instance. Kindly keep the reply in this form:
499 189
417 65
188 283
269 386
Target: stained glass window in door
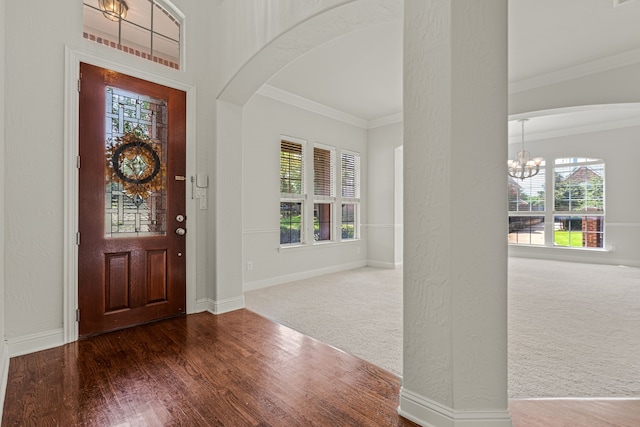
135 164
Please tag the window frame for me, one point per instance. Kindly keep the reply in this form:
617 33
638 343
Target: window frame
128 44
328 199
551 215
587 215
351 200
288 197
529 214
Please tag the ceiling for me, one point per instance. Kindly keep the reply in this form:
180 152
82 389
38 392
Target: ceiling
360 73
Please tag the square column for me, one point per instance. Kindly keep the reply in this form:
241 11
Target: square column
455 220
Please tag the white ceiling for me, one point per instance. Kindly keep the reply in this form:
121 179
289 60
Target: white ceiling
360 73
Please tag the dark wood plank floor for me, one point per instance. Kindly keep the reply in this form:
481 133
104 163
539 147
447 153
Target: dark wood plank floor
235 369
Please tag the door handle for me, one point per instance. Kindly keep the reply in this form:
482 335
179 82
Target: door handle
180 231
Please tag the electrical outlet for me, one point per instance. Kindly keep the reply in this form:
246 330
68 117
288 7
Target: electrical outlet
249 265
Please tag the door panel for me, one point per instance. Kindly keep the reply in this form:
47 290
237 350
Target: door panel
131 189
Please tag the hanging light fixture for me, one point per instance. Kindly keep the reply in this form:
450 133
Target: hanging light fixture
113 10
523 166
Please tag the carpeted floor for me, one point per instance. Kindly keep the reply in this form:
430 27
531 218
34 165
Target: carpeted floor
574 329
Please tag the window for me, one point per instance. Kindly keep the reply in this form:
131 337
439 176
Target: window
292 192
572 215
526 209
578 213
149 29
323 192
350 192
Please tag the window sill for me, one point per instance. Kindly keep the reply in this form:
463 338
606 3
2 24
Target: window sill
561 248
325 244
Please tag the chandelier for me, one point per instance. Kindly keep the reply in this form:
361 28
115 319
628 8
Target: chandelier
523 166
113 10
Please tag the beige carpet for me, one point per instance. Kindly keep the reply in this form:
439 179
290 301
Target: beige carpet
574 329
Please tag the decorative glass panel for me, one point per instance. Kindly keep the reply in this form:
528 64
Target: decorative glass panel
136 147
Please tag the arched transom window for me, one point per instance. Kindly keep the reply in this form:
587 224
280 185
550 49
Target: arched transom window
149 29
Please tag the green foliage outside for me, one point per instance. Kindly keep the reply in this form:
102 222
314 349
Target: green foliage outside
348 231
573 195
568 238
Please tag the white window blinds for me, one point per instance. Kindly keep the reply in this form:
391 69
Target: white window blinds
350 171
291 168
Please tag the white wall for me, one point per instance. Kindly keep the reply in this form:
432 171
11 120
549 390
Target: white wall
384 226
264 121
618 148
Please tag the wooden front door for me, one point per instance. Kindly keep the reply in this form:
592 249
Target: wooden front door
131 252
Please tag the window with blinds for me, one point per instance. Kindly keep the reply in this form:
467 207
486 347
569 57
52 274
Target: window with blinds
570 214
350 192
323 171
323 192
350 171
578 200
527 199
292 192
291 168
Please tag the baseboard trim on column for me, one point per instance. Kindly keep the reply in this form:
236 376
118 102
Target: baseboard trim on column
219 307
429 413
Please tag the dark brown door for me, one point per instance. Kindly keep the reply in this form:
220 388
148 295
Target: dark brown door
131 254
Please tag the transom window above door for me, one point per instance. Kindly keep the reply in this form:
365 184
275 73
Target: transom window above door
149 29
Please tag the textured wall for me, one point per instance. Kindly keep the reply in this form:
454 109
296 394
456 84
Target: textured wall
455 104
2 180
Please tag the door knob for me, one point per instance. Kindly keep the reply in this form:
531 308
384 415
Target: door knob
180 231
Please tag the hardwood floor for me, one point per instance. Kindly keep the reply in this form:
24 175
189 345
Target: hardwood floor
235 369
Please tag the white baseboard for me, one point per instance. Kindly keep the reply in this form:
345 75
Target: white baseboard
429 413
278 280
382 264
219 307
35 342
4 372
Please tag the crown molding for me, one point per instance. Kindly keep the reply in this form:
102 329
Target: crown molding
309 105
598 66
558 133
323 110
387 120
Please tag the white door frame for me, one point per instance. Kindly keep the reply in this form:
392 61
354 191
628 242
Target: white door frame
73 58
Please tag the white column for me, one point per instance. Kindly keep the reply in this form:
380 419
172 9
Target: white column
455 243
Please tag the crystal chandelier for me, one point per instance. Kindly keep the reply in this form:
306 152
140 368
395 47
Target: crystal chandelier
523 166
